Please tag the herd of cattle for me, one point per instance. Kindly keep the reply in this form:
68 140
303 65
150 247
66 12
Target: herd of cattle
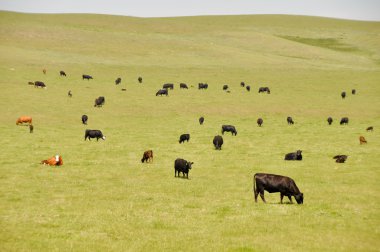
261 181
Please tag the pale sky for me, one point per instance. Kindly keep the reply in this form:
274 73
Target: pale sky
347 9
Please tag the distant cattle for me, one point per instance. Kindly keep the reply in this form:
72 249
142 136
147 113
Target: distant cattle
30 83
168 86
329 120
201 120
84 119
118 81
99 101
248 88
31 128
183 85
62 73
140 79
242 84
39 84
362 140
353 91
218 142
56 160
147 156
86 76
370 128
44 71
344 120
260 122
340 158
264 89
343 94
184 137
276 183
229 128
24 119
93 134
225 87
181 165
290 121
162 92
70 94
294 155
202 85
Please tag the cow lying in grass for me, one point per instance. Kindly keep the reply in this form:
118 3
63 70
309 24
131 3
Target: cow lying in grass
56 160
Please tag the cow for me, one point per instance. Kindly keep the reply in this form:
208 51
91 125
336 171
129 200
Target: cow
343 94
183 85
70 94
202 85
362 140
260 122
181 165
56 160
30 83
229 128
86 76
24 119
162 92
62 73
225 87
147 156
39 84
168 86
290 120
353 91
242 84
218 142
99 101
84 119
248 88
184 137
93 134
31 128
118 81
370 128
44 71
201 120
294 155
344 120
264 89
276 183
329 120
139 79
340 158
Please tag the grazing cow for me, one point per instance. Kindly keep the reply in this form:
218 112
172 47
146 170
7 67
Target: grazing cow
229 128
39 84
140 79
370 128
86 76
329 120
84 119
276 183
184 137
31 128
118 81
264 89
225 87
202 85
201 120
162 92
168 86
147 156
183 85
70 94
340 158
62 73
344 120
260 122
44 71
99 101
353 91
242 84
24 119
31 83
343 94
248 88
93 134
218 142
290 120
294 155
181 165
362 140
56 160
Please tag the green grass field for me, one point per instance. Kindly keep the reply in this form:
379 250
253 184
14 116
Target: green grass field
104 199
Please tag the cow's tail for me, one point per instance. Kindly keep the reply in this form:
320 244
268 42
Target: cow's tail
254 184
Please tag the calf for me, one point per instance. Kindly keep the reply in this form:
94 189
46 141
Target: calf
340 158
93 134
183 85
290 120
344 120
229 128
62 73
86 76
56 160
329 120
201 120
260 122
168 86
276 183
294 155
184 137
118 81
218 142
162 92
248 88
362 140
84 119
99 101
147 156
139 79
39 84
181 165
370 128
343 94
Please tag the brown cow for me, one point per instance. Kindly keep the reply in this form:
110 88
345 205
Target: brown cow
24 119
44 71
362 140
147 157
56 160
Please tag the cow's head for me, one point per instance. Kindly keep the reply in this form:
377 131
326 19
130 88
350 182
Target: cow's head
299 198
188 164
104 137
299 153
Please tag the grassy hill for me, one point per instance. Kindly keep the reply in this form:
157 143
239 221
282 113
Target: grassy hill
104 198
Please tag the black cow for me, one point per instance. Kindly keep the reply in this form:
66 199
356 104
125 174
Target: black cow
276 183
181 165
162 92
99 101
353 91
168 86
290 120
184 137
370 128
340 158
147 156
201 120
225 87
248 88
229 128
183 85
260 122
264 89
140 79
202 85
218 142
242 84
39 84
344 120
84 119
62 73
86 76
294 155
343 94
70 94
329 120
118 81
93 134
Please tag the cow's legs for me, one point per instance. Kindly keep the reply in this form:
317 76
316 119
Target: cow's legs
282 196
290 198
256 195
262 196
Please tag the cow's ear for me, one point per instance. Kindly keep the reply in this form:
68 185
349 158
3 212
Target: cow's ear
191 162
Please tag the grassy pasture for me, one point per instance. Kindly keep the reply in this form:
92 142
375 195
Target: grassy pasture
103 198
